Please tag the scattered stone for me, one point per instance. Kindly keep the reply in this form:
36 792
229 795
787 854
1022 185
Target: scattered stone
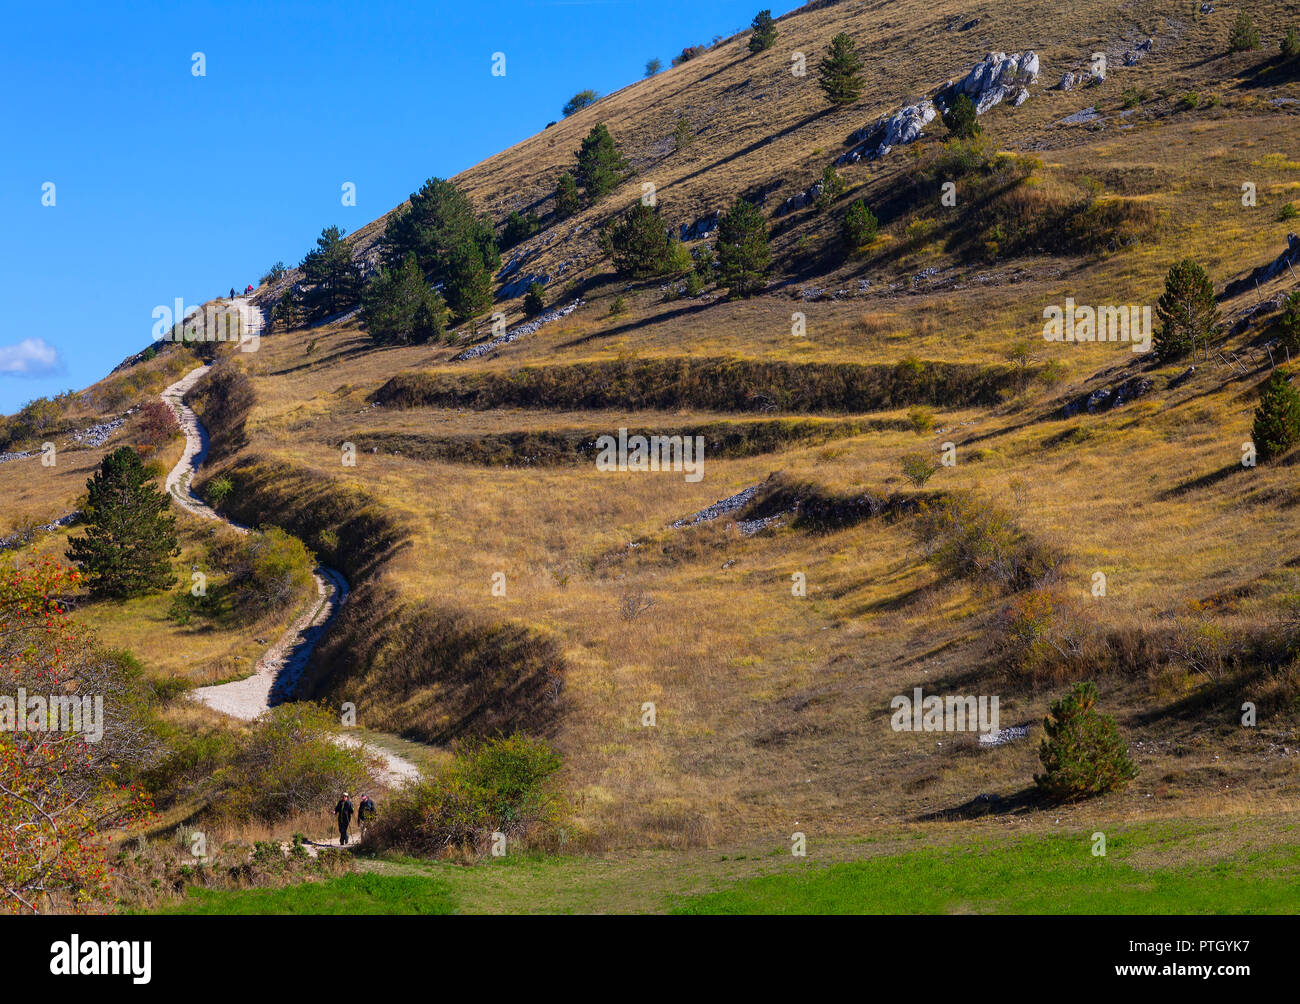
23 537
1207 8
518 331
749 527
1000 737
1106 398
995 78
1081 116
519 286
797 202
701 228
730 504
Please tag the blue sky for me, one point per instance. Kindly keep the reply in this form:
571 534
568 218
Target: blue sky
169 185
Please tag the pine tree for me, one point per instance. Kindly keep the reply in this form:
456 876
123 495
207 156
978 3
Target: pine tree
535 300
1290 44
468 285
833 187
334 280
1244 35
764 32
400 307
288 310
601 165
1289 324
637 243
683 134
860 225
566 196
518 228
1083 754
130 535
1277 418
962 119
438 222
1186 309
743 255
838 74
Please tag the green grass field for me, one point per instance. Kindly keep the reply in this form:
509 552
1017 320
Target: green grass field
1056 875
1216 867
359 893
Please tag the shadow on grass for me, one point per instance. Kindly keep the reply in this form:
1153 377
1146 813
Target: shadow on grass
1022 802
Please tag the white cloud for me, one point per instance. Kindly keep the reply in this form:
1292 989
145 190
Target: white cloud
32 357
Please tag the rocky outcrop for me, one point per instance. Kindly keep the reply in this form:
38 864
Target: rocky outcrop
701 228
996 78
1085 78
805 198
519 285
24 537
1288 259
889 131
1083 115
1113 396
1134 55
1257 312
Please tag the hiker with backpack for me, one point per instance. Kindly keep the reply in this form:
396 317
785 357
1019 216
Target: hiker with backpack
365 813
343 812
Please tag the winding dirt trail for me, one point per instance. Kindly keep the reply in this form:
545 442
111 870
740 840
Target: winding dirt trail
283 663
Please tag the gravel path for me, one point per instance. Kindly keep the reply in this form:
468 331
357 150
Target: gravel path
282 664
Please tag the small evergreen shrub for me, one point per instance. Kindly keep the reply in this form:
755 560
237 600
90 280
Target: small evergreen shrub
1083 754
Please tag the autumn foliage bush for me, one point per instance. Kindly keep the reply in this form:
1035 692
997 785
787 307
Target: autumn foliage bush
61 792
155 424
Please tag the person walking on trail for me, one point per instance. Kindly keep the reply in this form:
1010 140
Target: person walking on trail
365 813
343 812
248 288
232 292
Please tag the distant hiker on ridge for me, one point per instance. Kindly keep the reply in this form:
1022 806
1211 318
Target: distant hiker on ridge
343 811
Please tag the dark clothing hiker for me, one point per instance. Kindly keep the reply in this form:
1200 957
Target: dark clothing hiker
343 811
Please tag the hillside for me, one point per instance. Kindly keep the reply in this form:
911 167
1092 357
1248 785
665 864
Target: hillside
773 709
